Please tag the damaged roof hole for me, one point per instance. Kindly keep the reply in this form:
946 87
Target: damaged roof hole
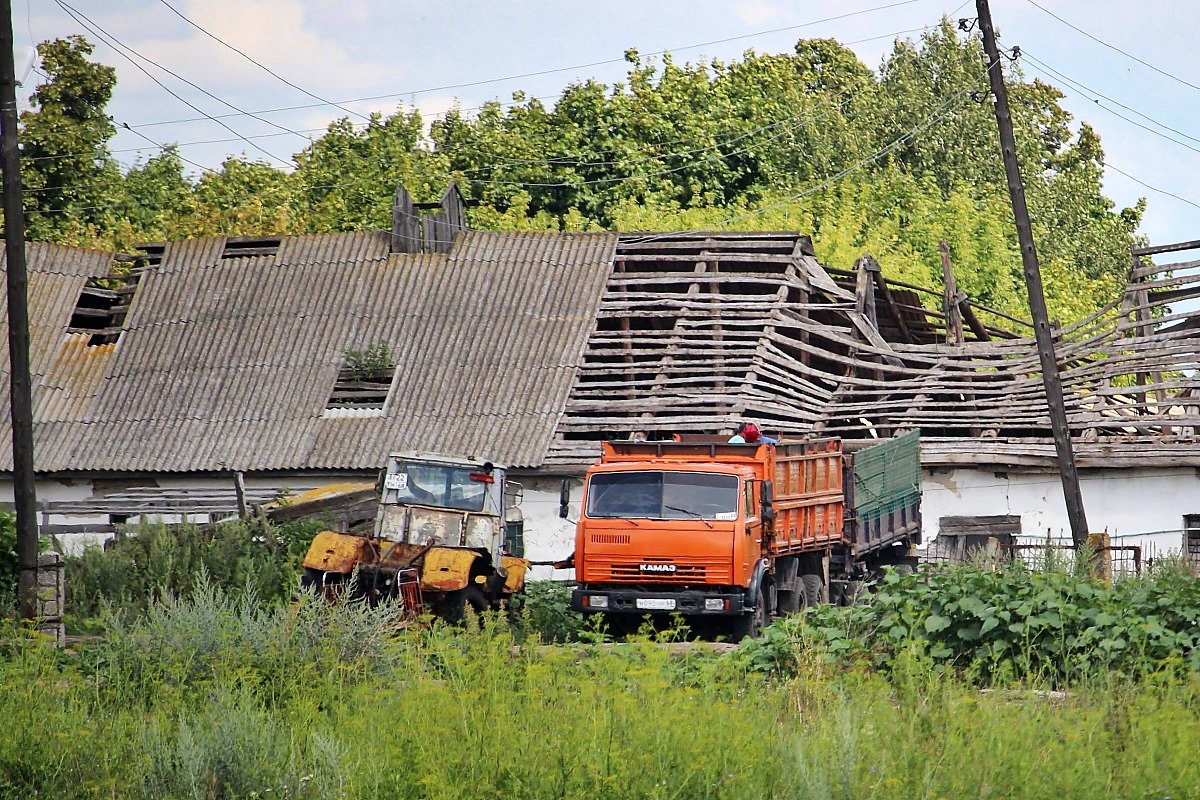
250 246
365 378
103 305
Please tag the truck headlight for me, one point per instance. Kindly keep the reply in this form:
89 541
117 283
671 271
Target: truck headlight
598 601
714 604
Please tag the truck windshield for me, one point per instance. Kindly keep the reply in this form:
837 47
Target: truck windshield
663 495
438 485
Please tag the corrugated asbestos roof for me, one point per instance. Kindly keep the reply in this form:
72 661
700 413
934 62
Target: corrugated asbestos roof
227 363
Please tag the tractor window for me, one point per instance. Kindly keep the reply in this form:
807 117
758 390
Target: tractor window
663 495
440 486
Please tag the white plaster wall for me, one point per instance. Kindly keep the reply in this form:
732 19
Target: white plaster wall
1135 506
58 490
547 536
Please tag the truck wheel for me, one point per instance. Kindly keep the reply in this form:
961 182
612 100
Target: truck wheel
749 626
790 600
814 590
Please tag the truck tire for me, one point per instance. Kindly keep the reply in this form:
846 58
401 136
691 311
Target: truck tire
814 590
750 625
790 600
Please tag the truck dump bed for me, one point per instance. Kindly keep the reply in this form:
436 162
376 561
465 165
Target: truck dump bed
883 501
808 483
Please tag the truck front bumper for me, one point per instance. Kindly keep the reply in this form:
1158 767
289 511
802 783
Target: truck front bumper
637 601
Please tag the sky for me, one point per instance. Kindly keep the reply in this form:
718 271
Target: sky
1128 69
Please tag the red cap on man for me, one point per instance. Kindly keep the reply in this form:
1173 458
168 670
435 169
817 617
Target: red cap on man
750 433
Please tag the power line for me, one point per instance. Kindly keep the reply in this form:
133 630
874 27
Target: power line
100 33
1083 88
1112 47
1140 182
907 136
261 66
912 133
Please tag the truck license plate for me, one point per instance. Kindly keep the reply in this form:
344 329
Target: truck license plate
655 604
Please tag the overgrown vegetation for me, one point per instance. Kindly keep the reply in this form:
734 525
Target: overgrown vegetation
8 563
221 697
374 362
996 627
152 561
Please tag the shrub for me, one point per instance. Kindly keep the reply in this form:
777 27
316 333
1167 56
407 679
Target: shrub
996 626
158 560
8 562
544 610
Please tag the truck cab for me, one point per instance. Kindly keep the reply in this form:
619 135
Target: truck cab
668 527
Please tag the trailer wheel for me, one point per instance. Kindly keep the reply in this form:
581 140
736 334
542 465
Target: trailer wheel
749 626
814 590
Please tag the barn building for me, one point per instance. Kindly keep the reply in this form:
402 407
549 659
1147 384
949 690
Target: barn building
161 380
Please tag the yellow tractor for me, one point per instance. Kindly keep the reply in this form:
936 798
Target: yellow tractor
448 536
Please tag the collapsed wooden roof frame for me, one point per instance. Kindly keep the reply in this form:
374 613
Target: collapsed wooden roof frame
697 331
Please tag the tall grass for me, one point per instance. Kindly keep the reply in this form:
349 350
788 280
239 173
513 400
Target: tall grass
213 696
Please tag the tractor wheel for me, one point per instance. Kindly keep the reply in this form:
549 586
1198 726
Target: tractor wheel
453 609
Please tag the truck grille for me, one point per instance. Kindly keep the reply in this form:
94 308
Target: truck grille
684 573
610 538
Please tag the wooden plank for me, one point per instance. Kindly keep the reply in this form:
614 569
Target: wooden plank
405 236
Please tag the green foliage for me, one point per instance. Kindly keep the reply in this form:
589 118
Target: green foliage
70 178
544 611
254 558
1003 625
9 573
370 363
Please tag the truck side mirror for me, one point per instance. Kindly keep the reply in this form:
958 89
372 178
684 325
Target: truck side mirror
768 501
564 498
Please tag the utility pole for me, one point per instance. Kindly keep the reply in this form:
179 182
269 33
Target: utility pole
1033 282
20 397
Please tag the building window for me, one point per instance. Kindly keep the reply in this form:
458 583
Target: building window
364 380
1191 538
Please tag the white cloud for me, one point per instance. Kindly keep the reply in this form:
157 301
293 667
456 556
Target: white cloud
757 13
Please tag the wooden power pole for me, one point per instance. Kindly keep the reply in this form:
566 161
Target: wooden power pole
20 394
1033 282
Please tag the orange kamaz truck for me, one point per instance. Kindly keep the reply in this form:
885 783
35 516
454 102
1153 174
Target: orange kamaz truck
730 534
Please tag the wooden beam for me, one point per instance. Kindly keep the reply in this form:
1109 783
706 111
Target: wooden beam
954 321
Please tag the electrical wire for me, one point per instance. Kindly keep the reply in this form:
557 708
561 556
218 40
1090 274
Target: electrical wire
98 32
540 73
910 134
240 137
258 64
1112 47
945 108
1080 87
1109 165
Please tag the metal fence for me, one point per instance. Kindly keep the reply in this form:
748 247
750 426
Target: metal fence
1117 557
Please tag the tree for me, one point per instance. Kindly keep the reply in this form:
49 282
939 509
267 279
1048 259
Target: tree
346 179
69 175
